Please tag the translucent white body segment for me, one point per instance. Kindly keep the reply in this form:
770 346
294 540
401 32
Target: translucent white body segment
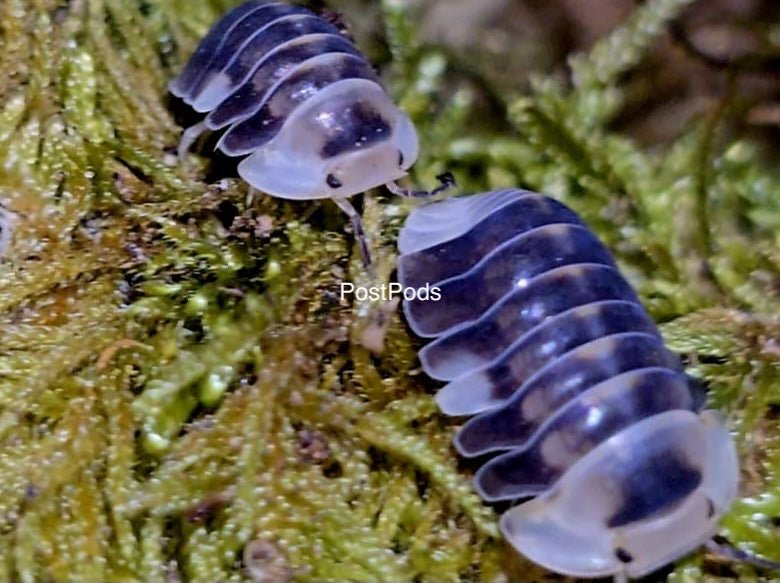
512 219
534 462
557 384
219 88
232 42
456 209
291 165
303 86
182 85
426 227
457 218
270 71
480 342
247 57
538 350
509 267
562 533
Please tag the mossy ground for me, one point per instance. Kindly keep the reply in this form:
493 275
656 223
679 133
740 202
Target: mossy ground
185 396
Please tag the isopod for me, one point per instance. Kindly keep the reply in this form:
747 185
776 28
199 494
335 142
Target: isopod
571 391
301 103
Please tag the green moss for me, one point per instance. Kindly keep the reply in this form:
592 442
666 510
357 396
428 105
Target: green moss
183 394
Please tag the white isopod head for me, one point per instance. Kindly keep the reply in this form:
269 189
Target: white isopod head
590 523
347 139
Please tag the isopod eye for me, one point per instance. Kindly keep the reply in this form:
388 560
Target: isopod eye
332 181
400 158
623 555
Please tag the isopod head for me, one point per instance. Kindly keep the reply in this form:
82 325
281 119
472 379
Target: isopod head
640 500
346 140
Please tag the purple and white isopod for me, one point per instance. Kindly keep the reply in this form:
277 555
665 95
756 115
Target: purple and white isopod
299 100
545 344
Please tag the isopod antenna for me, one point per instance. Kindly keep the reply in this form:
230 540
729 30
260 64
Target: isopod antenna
722 548
446 180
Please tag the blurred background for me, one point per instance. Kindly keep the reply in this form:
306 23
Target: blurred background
721 52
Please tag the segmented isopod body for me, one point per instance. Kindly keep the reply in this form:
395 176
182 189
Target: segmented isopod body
299 98
296 97
541 339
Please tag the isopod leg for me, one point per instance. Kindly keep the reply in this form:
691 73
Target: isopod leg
620 577
188 138
446 180
250 196
357 225
7 220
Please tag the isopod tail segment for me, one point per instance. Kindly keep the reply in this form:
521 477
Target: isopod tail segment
568 529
